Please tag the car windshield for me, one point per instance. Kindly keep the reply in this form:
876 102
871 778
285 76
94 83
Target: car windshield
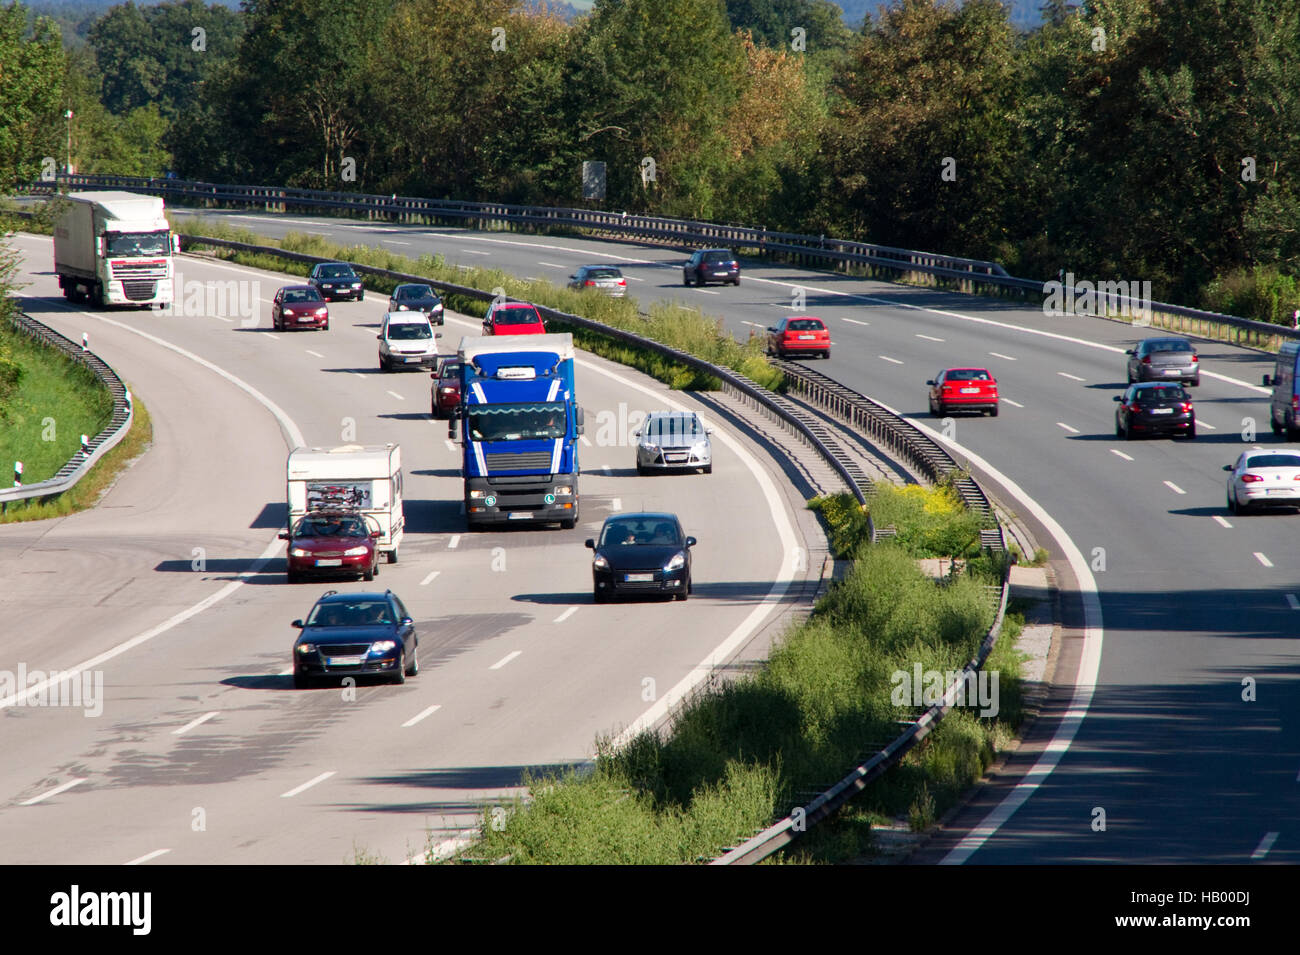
806 325
717 256
1148 396
136 243
336 272
662 425
517 316
633 531
450 369
321 526
967 374
1273 461
516 422
408 292
408 331
303 295
1167 346
351 613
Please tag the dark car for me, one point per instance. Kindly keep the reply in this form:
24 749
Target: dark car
799 335
1155 408
336 280
356 634
332 543
414 297
299 306
964 389
1164 359
641 554
604 278
711 265
513 318
446 388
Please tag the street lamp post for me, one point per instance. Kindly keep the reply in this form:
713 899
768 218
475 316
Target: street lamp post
68 166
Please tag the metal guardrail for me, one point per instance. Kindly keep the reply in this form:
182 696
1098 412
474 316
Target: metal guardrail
118 425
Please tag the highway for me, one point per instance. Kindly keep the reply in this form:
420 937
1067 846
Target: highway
173 589
1200 607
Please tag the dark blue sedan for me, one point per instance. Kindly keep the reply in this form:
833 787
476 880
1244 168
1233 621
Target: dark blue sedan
356 634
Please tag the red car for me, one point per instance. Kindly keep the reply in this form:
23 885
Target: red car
299 306
799 334
446 388
964 389
513 318
332 543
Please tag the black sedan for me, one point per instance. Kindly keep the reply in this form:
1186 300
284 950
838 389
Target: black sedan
356 634
414 297
335 280
1154 408
641 554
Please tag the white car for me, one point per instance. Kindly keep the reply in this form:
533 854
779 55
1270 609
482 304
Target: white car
673 440
407 340
1263 479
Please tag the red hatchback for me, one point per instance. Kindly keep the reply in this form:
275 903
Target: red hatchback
799 334
329 543
299 306
964 389
513 318
446 388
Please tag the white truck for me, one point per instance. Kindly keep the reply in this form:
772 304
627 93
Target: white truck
353 477
115 248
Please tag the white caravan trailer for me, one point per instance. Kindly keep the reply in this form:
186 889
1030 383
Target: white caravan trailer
366 479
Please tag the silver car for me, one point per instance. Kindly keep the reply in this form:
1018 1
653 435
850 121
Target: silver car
1263 479
1164 359
604 278
673 440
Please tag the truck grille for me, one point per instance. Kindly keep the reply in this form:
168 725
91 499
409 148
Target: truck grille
518 460
138 290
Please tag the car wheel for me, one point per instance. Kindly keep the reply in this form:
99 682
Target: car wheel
368 573
1119 429
686 280
598 596
376 565
294 577
325 327
639 469
414 668
1195 382
301 680
1128 434
1191 432
392 556
399 675
569 524
737 281
1231 502
708 469
1272 423
680 595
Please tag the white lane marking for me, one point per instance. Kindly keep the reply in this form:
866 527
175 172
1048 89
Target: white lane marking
1014 404
429 579
605 468
394 242
929 338
193 723
427 711
454 542
307 785
566 615
1121 454
616 504
553 265
222 318
756 324
706 291
1206 424
1174 487
1062 424
396 395
1263 559
582 437
854 321
1064 374
998 354
287 671
1265 844
1292 602
451 445
359 375
272 336
148 857
474 252
52 792
633 278
505 659
314 354
1221 521
894 360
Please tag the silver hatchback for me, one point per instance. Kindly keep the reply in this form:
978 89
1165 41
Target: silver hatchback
1164 359
673 440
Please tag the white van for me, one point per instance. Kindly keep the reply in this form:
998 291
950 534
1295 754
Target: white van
366 479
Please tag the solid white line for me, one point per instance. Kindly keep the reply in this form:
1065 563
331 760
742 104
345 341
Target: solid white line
854 321
929 338
505 659
1071 377
1263 560
1221 521
148 857
52 792
397 396
1265 844
1119 453
553 265
307 785
1014 404
451 445
427 580
566 615
454 542
616 504
1174 487
582 437
394 242
1292 602
894 360
272 336
314 354
427 711
997 354
1206 424
1062 424
756 324
193 723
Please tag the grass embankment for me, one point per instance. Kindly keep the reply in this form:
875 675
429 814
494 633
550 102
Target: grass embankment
740 754
666 323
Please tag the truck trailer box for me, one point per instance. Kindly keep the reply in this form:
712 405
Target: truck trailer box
115 248
361 478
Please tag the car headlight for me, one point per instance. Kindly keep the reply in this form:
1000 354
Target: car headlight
563 489
306 648
650 447
354 551
677 563
600 563
403 308
701 449
383 646
298 552
437 309
322 312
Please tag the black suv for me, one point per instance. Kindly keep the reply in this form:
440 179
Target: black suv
711 265
356 634
336 280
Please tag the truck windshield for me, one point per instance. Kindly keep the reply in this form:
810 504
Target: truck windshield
516 422
137 243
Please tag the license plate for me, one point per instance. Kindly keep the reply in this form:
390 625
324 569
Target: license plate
970 391
1172 371
343 661
519 516
807 338
1162 410
330 562
1279 490
719 275
416 358
638 578
306 318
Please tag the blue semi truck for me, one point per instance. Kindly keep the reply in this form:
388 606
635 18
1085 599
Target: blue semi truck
518 423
